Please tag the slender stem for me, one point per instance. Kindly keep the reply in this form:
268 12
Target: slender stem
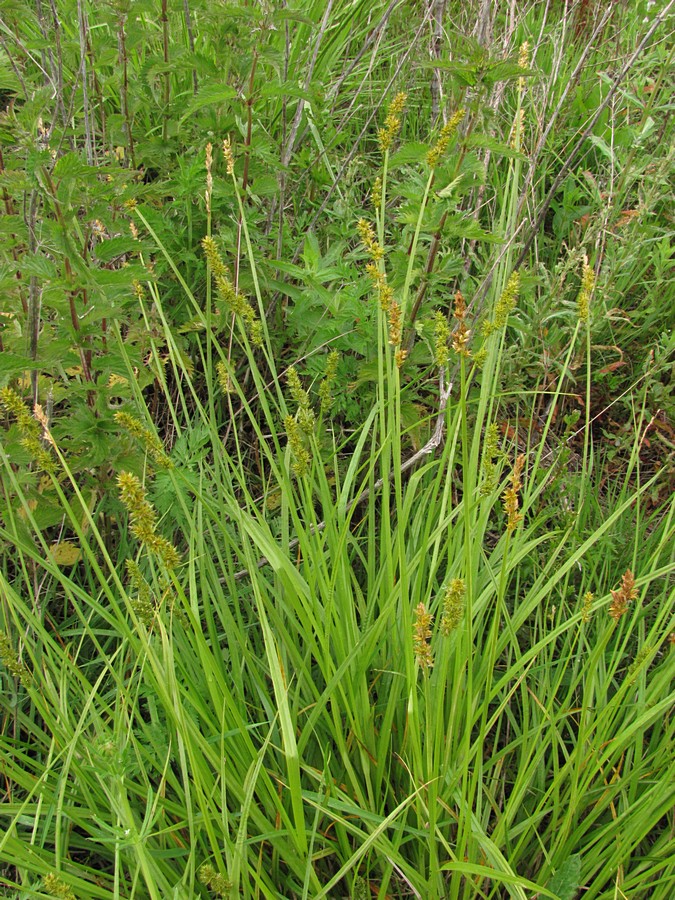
167 77
191 41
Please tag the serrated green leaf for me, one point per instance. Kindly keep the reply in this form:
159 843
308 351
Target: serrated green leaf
210 95
285 89
408 153
113 247
70 165
464 227
12 364
38 265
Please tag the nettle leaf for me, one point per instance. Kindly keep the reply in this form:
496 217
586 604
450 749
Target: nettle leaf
116 246
71 165
407 154
214 94
12 364
466 227
285 89
9 224
466 73
506 70
265 186
38 265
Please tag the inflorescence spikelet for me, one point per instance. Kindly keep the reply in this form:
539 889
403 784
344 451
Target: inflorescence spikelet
144 520
438 150
392 123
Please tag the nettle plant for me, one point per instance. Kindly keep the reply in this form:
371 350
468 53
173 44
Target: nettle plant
73 333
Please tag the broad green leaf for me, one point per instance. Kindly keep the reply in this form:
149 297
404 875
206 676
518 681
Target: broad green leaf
567 880
214 94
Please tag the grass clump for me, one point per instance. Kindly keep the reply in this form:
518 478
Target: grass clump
336 551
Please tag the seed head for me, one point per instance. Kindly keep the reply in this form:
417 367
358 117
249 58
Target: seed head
55 887
326 386
376 194
229 156
422 636
302 459
10 659
395 323
587 608
144 520
437 152
150 442
453 606
392 123
585 292
624 596
214 881
510 496
441 338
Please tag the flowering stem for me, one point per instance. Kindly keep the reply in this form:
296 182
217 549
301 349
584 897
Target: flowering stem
413 246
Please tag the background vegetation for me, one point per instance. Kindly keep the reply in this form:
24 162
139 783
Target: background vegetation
336 522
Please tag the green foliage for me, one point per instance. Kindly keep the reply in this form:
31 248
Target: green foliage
336 541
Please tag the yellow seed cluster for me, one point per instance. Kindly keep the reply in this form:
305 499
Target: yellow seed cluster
479 357
392 123
437 152
214 881
229 156
517 130
461 334
510 496
302 459
298 393
306 416
376 193
300 426
585 292
369 241
326 386
400 357
490 452
144 520
395 323
55 887
29 427
235 302
150 442
384 292
588 604
523 62
640 659
453 606
505 305
624 596
143 604
422 636
224 378
10 659
441 338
